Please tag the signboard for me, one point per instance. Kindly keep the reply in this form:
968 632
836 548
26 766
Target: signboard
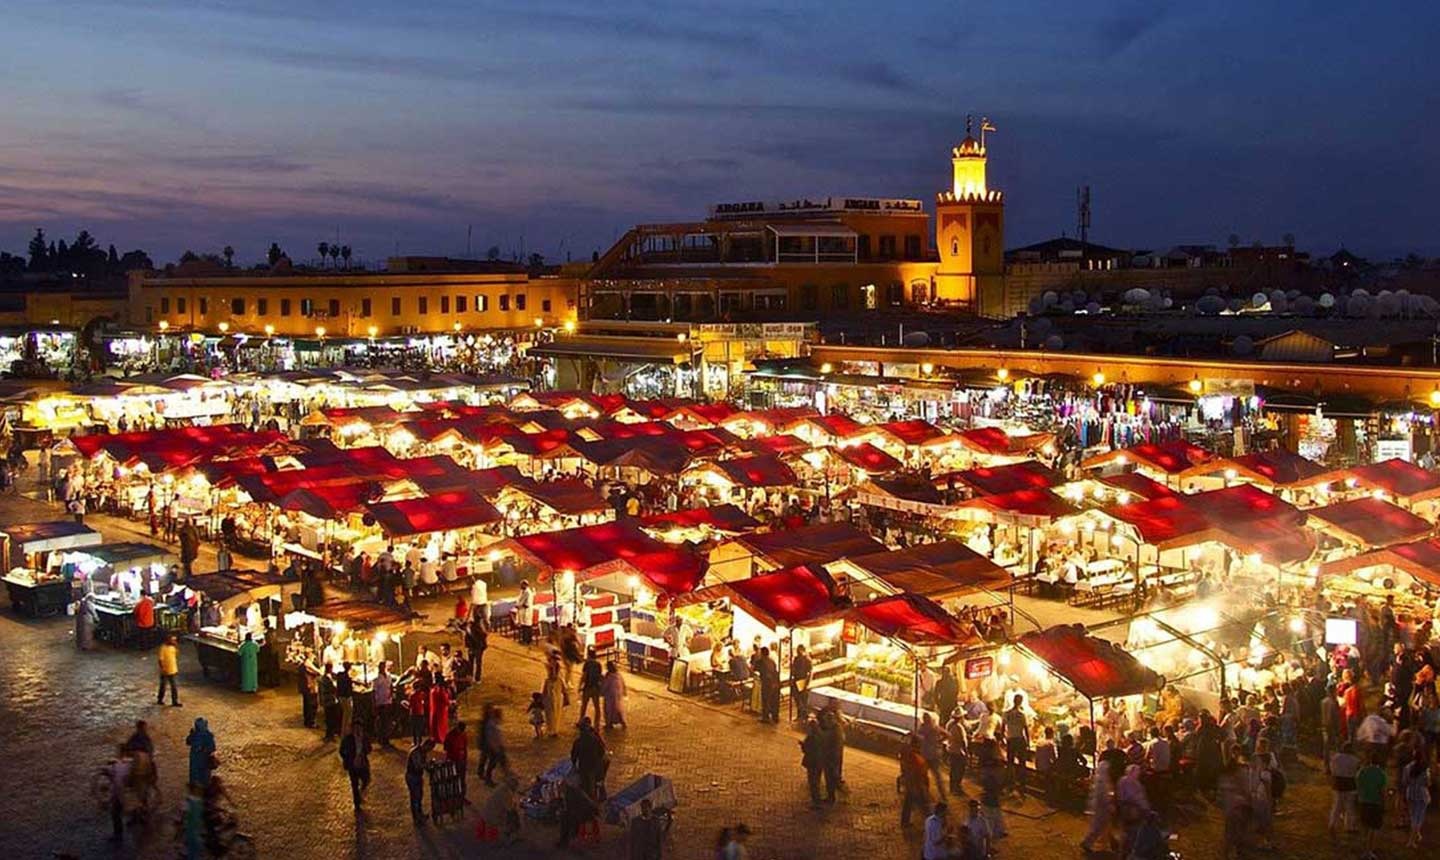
1391 449
806 205
979 667
850 633
1340 631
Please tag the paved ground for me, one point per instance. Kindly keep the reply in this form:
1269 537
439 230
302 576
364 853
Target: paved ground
63 711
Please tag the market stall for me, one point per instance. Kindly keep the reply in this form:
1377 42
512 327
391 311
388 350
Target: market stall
942 571
1165 462
117 575
36 577
745 555
696 525
359 634
230 605
1094 669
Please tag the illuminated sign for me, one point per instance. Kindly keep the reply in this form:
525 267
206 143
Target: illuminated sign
979 667
803 205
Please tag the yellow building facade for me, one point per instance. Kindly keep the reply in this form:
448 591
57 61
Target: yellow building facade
349 304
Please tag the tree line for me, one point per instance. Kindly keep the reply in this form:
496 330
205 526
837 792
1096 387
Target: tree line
80 257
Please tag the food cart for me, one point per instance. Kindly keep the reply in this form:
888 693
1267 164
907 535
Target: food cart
117 575
349 631
236 602
36 579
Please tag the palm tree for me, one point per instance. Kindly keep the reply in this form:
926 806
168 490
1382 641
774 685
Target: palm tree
229 254
345 255
324 249
334 255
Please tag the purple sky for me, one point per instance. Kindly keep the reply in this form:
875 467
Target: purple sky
174 124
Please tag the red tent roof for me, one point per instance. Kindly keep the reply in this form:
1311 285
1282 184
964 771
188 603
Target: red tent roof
912 432
711 413
571 496
1420 559
459 509
1277 468
1172 457
836 425
1373 522
869 458
1398 478
1138 485
327 502
486 482
996 442
993 480
1162 519
1242 516
758 471
784 598
180 446
1029 503
782 444
726 518
774 419
1244 503
814 544
1095 667
913 619
937 570
598 550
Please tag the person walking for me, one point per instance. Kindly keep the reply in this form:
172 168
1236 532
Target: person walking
801 671
383 710
769 680
202 752
492 746
946 693
991 784
416 762
457 752
932 744
957 750
812 759
439 709
330 703
167 656
307 684
914 781
936 843
1370 784
249 654
1101 808
551 694
592 682
355 756
1017 740
118 774
589 756
832 743
613 691
1343 767
647 833
477 639
1416 780
418 703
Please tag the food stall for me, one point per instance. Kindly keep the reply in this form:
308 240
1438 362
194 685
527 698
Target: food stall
117 575
1165 462
1095 669
1408 573
697 525
357 632
746 481
745 555
36 578
943 571
232 603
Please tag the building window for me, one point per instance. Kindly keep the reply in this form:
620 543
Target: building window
954 246
262 307
204 307
179 306
912 247
887 247
520 302
164 304
394 306
149 313
364 307
444 304
505 302
862 246
545 305
424 304
307 307
808 296
482 303
770 302
284 307
895 295
334 308
459 304
840 297
237 307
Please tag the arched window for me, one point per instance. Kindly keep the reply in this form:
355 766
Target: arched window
954 246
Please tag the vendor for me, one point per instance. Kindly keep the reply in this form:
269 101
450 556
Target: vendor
145 619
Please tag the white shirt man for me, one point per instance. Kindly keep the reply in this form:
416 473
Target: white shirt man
1157 754
935 826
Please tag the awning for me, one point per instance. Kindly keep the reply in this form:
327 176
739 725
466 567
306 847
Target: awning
1420 559
1170 458
1137 484
868 458
649 350
1096 668
1009 478
1278 468
758 471
1021 505
227 585
1370 522
940 570
813 544
913 432
724 518
130 554
783 444
900 492
362 615
443 512
912 619
42 537
570 497
1400 479
783 598
616 547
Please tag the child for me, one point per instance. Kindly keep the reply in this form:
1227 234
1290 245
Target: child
537 713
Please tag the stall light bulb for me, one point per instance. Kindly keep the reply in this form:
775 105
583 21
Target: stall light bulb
1003 658
1002 374
381 638
1231 474
1297 625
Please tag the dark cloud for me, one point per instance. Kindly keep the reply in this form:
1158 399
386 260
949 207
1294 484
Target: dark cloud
252 163
1116 33
137 101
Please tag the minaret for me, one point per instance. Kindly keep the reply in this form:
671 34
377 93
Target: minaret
969 228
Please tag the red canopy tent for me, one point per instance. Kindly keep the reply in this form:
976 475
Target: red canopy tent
1397 478
1371 522
1096 668
911 433
570 497
1169 458
868 458
486 482
836 425
813 544
1420 559
442 512
594 551
912 619
1137 484
783 445
939 570
790 598
725 518
1277 468
996 442
757 471
1023 506
1009 478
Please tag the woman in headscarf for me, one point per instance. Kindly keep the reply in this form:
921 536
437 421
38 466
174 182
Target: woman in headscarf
439 710
1101 806
1132 804
612 689
202 751
85 623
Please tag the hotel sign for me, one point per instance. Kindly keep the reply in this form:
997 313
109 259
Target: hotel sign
805 205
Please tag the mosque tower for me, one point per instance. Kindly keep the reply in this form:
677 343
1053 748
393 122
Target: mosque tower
969 227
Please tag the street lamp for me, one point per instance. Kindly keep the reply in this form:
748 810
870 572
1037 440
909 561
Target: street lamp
1098 378
682 337
1195 385
320 331
539 322
164 325
569 326
456 326
1435 397
374 330
269 330
224 327
1002 374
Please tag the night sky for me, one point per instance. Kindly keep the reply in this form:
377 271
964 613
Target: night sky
174 124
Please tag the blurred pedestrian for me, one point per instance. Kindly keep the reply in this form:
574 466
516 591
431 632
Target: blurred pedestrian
355 756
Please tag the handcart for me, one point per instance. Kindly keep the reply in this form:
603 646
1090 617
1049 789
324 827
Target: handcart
446 797
541 801
624 804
